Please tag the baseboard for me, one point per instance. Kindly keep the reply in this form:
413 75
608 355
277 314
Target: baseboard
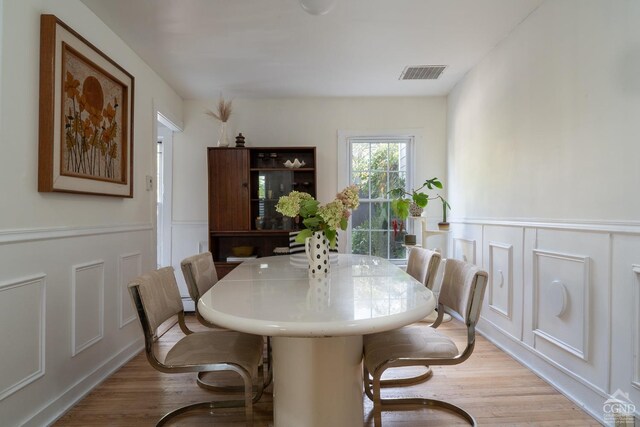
57 407
585 397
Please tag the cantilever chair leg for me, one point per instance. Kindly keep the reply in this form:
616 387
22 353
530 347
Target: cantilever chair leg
392 382
426 375
247 402
372 390
266 374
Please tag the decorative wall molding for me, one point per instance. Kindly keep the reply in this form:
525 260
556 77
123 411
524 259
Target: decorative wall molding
635 330
556 299
618 227
501 281
464 249
39 316
129 267
34 234
87 305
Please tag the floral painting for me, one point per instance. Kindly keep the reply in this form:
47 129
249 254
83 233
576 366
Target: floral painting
86 116
93 137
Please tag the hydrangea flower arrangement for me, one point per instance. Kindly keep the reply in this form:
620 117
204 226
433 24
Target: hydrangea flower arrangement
327 218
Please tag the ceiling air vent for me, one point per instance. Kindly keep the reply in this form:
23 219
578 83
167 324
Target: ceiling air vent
422 72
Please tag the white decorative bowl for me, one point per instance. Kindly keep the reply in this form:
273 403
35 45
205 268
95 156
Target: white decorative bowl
295 164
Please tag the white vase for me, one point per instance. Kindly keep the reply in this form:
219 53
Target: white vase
223 140
317 250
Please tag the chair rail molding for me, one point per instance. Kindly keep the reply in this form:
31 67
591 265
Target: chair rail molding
619 227
49 233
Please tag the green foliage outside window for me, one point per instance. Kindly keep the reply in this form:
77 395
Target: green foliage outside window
377 168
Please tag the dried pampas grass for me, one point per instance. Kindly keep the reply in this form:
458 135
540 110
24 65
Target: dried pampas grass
223 111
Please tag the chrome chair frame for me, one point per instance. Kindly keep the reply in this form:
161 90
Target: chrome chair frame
194 292
150 338
373 382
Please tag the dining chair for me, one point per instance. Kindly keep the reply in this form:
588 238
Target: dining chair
462 291
423 265
157 300
200 274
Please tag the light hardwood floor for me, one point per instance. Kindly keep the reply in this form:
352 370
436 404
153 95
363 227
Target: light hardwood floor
496 389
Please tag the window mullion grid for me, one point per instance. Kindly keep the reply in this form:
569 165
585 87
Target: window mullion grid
388 204
370 204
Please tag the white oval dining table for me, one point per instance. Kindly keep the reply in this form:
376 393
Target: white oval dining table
317 326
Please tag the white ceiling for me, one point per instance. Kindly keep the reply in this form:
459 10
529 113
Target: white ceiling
272 48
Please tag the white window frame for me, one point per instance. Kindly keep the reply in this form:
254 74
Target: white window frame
344 161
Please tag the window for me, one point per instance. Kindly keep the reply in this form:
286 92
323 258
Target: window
376 165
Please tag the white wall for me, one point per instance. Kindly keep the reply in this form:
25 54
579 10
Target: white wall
294 122
543 173
66 320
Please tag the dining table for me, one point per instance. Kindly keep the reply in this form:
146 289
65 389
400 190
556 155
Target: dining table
317 326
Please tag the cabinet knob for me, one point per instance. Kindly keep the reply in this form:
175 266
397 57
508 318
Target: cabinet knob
245 185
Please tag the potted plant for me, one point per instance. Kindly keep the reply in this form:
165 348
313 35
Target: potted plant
444 225
413 202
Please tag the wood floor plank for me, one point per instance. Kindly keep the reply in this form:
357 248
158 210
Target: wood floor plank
496 389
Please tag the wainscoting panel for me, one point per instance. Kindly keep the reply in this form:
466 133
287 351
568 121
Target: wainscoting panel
502 249
80 308
466 243
561 301
464 249
129 267
571 299
22 304
87 306
501 279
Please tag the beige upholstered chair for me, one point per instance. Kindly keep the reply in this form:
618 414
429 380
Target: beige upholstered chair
200 274
462 292
423 266
157 299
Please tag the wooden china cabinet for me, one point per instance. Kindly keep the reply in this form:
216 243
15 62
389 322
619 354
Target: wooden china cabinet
244 187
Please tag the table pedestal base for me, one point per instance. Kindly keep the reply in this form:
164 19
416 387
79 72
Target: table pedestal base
317 382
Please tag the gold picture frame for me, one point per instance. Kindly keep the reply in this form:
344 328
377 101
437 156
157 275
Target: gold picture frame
86 116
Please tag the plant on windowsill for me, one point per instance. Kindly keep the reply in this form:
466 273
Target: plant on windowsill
444 225
413 202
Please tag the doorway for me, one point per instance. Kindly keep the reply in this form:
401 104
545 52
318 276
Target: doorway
164 181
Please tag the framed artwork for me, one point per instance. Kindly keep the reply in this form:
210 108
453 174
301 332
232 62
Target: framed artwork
86 116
